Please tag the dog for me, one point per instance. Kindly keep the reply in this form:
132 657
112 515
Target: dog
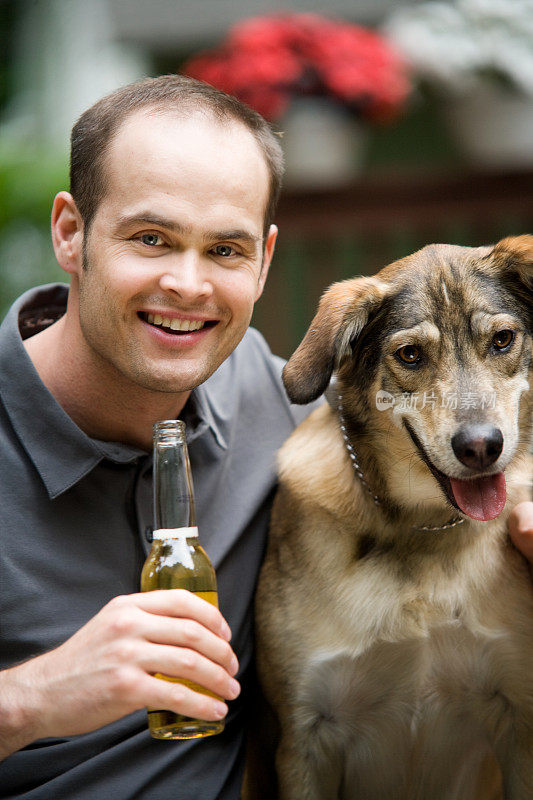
394 616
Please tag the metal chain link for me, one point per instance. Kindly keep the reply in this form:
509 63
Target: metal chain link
359 472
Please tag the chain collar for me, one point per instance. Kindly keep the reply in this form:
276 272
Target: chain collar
359 472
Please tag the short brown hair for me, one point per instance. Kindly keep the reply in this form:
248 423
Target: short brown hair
94 130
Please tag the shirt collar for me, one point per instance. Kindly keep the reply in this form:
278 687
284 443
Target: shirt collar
202 406
61 452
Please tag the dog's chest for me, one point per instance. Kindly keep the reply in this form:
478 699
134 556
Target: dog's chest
449 674
408 588
422 651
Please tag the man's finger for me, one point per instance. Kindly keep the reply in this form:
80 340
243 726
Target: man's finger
521 528
181 603
180 662
182 700
191 634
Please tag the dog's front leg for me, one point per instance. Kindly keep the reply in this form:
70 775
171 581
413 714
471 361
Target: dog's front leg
348 736
323 767
453 761
516 762
309 765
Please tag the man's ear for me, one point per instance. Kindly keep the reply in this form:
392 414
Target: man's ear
67 233
267 258
342 313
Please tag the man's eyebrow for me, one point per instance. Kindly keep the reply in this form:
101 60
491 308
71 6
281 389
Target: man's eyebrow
152 219
237 233
177 227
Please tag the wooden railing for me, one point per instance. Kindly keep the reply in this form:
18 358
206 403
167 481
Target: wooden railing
331 235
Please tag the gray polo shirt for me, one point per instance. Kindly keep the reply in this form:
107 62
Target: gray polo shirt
74 514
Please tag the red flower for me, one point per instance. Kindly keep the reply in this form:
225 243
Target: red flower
265 61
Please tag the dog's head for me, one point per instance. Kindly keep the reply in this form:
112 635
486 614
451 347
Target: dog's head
432 357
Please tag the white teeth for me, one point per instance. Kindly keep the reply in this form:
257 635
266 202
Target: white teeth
175 324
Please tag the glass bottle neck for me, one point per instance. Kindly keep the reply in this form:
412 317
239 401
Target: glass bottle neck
173 488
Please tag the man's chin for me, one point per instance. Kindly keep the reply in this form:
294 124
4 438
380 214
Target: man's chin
178 375
167 382
168 385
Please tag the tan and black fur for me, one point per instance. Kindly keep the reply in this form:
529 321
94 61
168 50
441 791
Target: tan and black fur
398 660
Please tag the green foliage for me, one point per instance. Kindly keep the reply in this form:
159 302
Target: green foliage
28 183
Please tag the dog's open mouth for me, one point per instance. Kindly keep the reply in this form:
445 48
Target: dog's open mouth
481 498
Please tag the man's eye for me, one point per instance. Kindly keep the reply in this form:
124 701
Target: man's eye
151 239
224 250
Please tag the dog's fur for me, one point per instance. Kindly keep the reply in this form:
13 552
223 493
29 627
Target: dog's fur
398 660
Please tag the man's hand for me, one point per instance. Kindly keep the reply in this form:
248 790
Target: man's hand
521 529
106 669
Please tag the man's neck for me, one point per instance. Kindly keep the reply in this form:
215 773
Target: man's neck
101 404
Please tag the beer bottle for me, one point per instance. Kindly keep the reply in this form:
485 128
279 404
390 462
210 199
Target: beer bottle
176 560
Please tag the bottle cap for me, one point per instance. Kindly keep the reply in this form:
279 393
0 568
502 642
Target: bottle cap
175 533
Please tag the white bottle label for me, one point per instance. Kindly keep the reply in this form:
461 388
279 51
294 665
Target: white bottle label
175 533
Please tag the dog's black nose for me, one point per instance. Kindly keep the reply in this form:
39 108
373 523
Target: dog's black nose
477 446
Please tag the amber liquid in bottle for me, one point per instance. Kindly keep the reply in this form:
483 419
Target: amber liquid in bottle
176 560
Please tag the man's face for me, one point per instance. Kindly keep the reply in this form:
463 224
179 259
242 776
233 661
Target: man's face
177 239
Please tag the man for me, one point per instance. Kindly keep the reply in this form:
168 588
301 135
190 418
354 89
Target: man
167 237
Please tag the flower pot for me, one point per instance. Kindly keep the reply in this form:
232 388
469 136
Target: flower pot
324 144
493 127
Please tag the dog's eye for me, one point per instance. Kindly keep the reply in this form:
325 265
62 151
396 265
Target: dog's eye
409 354
502 340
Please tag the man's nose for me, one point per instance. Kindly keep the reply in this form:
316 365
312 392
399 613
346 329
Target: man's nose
478 445
187 276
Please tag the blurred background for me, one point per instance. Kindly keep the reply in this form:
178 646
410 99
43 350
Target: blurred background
403 122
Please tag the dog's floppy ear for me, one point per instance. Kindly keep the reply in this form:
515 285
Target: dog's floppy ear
515 255
342 314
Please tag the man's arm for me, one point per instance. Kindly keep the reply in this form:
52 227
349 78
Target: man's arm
521 529
106 669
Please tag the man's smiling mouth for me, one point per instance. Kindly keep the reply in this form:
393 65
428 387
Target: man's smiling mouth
175 325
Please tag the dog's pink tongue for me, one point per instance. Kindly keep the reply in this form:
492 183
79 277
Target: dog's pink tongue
481 498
